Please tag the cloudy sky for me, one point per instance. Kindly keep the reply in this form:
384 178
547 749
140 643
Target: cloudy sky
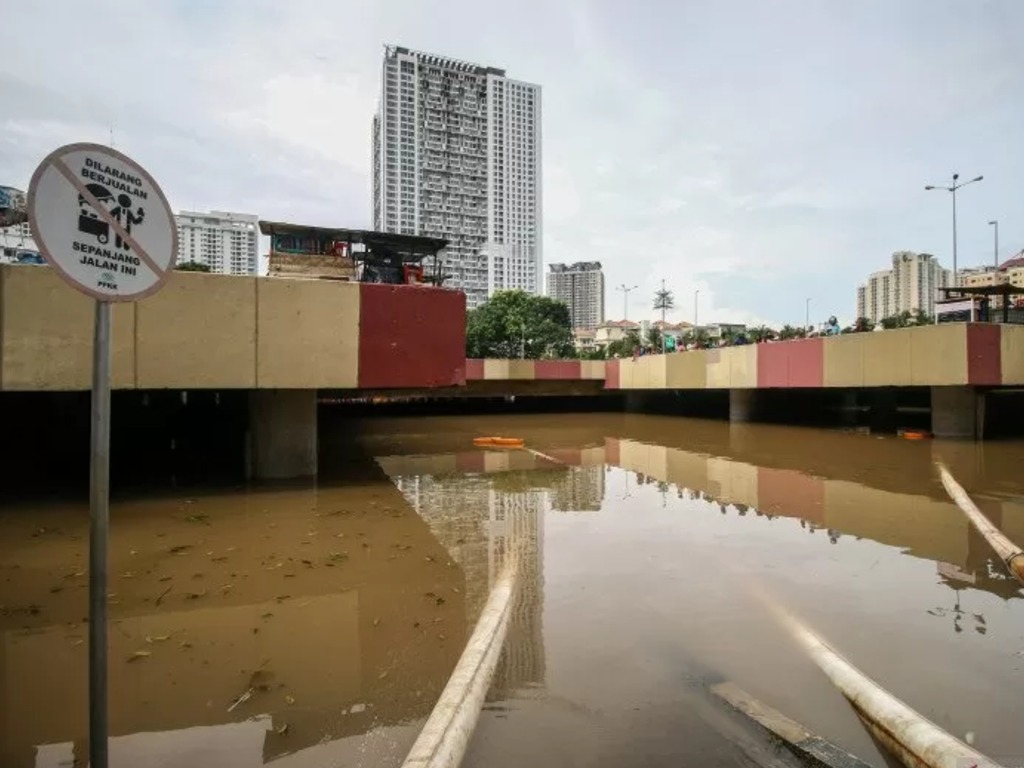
761 151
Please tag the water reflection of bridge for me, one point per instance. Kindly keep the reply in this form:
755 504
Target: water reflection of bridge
922 522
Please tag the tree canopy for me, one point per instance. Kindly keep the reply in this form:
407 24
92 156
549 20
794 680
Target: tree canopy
192 266
514 324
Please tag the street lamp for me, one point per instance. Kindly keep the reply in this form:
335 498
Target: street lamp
807 314
625 299
952 188
696 295
995 246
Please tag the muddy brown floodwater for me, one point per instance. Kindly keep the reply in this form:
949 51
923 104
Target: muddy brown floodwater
301 626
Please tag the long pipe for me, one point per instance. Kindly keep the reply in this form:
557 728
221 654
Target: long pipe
1010 553
442 742
914 739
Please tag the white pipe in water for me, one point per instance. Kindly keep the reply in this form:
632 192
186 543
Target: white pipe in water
1010 553
442 742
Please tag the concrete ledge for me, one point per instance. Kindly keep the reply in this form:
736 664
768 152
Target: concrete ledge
809 746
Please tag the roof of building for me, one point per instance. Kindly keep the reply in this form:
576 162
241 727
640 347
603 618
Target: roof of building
582 333
1016 261
374 240
619 324
667 326
577 266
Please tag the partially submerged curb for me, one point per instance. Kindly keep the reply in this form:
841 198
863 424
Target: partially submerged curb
442 742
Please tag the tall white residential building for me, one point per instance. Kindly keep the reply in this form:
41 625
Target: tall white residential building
457 154
227 243
912 283
581 287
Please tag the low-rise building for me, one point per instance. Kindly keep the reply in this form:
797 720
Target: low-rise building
614 330
584 339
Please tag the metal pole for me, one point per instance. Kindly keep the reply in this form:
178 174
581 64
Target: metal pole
807 314
99 505
995 246
696 295
956 282
663 317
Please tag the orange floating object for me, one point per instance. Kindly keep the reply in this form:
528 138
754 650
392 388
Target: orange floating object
499 442
915 434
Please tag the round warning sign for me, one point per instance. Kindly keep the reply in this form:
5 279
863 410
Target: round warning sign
101 221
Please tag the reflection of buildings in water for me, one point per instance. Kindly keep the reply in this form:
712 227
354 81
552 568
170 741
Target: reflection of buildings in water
517 531
580 489
482 528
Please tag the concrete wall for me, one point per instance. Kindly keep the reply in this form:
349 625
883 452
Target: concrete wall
936 355
222 332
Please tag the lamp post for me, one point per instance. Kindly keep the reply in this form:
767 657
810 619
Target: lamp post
807 315
952 188
995 246
625 299
696 295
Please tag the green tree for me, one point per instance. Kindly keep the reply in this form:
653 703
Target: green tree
862 325
654 339
594 353
192 266
515 324
698 337
905 319
761 333
790 332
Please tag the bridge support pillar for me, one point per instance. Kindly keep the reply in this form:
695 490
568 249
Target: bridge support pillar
282 434
743 404
958 412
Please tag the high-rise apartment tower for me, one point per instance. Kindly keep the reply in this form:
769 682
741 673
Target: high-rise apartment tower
457 154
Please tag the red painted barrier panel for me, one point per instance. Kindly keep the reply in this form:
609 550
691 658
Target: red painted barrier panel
611 374
611 451
557 369
474 370
798 363
410 336
984 354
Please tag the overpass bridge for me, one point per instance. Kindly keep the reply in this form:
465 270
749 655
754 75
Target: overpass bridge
282 342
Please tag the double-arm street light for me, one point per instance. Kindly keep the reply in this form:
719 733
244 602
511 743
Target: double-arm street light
952 188
625 299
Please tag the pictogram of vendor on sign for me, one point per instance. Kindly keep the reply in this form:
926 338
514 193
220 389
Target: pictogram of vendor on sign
90 223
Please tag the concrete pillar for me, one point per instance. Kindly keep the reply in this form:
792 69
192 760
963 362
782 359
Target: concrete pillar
958 412
743 404
283 433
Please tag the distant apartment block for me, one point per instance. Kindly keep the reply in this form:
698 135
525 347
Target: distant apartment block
225 242
16 241
456 152
912 283
581 287
1010 272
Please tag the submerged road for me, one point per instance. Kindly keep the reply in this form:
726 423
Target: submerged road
341 609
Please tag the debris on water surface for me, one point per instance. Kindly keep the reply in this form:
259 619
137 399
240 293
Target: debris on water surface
139 655
382 675
241 699
200 518
357 709
180 549
163 594
157 638
376 622
282 730
289 700
439 601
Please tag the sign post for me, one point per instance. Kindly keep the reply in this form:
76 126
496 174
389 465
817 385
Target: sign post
104 224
